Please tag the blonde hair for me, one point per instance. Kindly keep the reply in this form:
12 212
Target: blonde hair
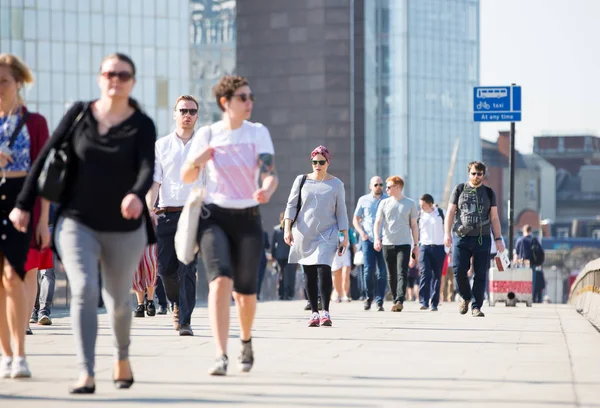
19 70
186 98
397 180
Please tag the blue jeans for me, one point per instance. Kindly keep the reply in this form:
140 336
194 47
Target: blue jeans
178 279
431 258
374 260
464 248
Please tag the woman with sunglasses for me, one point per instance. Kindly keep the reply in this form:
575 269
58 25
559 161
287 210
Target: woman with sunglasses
236 153
314 234
22 135
102 218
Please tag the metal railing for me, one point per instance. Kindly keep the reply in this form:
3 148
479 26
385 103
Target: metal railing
585 292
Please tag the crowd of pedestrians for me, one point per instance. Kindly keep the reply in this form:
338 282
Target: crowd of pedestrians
118 224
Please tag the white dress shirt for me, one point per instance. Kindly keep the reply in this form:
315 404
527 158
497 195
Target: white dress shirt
431 228
171 154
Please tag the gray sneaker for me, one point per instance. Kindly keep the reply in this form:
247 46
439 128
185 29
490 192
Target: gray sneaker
34 317
246 358
44 320
220 366
463 307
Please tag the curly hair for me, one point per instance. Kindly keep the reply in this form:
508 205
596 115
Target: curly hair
227 86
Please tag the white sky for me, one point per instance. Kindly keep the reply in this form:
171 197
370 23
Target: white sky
552 49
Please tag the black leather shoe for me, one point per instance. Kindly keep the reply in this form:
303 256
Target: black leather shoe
123 384
186 330
367 305
150 308
139 311
83 390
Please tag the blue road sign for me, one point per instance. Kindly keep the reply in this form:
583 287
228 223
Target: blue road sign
497 103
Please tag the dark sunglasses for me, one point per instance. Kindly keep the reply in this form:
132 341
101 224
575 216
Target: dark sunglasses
390 186
186 111
244 97
477 173
123 76
378 185
321 162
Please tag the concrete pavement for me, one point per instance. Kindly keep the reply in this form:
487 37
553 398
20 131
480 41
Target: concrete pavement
545 356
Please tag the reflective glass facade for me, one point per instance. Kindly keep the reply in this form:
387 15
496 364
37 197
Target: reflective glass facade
425 66
213 42
63 42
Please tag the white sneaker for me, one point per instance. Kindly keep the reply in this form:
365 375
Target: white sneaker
5 367
20 369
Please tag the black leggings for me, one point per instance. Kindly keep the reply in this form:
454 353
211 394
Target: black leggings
313 274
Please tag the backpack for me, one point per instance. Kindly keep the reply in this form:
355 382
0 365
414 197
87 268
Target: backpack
537 253
488 190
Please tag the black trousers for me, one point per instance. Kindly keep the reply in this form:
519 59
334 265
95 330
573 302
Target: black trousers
396 259
179 280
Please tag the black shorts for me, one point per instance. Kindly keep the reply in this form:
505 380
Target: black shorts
14 245
231 244
412 281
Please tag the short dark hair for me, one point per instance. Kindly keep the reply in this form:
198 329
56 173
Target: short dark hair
227 86
428 198
480 166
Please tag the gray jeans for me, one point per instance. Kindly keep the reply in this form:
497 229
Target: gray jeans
119 253
45 294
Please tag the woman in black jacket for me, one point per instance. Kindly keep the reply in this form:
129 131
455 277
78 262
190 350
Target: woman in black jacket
102 218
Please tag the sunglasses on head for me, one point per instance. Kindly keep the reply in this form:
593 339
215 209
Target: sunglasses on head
186 111
321 162
244 97
477 173
123 76
378 185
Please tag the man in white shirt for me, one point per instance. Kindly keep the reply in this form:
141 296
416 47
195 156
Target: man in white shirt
171 152
431 252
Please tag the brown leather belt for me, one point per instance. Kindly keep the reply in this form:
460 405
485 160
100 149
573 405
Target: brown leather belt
167 210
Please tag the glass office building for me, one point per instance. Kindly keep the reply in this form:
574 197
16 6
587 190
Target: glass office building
420 74
212 55
63 42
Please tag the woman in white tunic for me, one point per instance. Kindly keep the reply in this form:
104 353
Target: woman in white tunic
314 233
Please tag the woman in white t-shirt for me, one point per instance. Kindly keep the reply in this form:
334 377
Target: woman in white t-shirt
236 154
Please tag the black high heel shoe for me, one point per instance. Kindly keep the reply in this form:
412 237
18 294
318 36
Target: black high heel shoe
83 389
123 384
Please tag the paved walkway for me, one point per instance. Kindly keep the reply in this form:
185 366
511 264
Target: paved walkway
545 356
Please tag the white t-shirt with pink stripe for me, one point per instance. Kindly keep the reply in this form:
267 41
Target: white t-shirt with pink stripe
233 172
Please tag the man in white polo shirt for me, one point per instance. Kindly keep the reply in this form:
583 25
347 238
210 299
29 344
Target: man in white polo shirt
431 252
171 151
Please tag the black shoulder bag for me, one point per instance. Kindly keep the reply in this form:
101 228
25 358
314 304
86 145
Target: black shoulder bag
298 204
53 177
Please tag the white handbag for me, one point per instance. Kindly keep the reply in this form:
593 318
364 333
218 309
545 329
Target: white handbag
359 258
186 237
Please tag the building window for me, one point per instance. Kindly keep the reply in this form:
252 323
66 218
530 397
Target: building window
562 232
596 234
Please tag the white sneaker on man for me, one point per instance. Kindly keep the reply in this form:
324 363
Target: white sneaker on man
20 369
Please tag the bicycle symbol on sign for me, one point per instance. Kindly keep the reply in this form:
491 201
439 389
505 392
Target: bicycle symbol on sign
483 105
